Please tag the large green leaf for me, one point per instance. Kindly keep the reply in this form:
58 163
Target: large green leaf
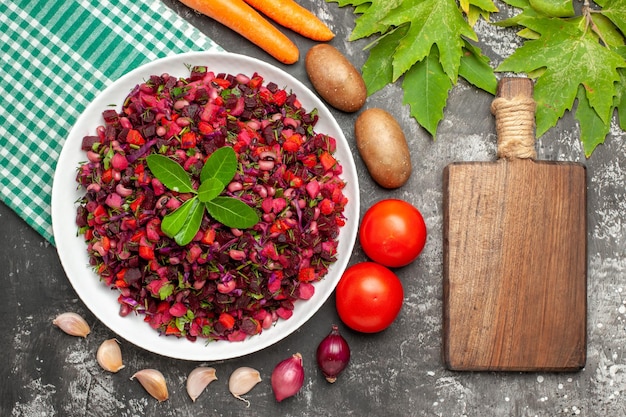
371 14
571 57
377 71
607 30
432 22
476 70
554 8
616 11
426 88
592 127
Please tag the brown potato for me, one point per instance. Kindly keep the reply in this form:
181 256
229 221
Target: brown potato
383 147
335 78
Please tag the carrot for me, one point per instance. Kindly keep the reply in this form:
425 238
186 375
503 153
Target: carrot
243 19
291 15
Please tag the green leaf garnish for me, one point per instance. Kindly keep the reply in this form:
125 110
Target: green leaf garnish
192 225
165 291
221 165
170 173
175 221
232 212
183 223
209 189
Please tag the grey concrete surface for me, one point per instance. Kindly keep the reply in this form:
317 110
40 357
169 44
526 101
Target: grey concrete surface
397 372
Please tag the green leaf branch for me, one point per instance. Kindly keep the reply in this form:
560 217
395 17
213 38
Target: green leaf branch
183 223
577 60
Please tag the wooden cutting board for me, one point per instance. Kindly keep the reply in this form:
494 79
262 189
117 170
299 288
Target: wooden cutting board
515 261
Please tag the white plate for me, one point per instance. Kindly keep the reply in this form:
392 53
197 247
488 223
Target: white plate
101 300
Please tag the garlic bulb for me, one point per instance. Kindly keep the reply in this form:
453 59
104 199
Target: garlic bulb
153 382
72 324
242 380
109 356
198 380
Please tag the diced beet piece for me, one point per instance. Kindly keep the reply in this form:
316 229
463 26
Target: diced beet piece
147 117
121 136
88 142
148 131
111 118
110 134
198 72
202 95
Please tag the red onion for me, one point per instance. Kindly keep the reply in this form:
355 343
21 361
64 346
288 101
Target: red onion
288 377
333 354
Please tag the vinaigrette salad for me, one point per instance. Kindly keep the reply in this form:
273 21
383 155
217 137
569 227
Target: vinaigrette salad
226 283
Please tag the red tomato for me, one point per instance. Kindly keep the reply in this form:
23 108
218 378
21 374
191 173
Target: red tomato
392 233
368 297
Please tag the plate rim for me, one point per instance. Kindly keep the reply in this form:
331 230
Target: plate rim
165 345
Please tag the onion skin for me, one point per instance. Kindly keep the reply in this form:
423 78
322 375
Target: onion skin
288 377
333 354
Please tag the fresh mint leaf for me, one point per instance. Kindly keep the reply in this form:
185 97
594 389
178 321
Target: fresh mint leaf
209 189
221 165
232 212
170 173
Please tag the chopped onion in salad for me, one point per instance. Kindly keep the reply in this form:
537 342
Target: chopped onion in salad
226 284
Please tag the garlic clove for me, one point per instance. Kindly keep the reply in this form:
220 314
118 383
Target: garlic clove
109 356
153 382
72 324
198 380
242 380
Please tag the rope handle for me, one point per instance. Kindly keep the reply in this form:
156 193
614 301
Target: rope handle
514 110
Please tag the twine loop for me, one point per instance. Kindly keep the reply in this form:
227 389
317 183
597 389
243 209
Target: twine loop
515 126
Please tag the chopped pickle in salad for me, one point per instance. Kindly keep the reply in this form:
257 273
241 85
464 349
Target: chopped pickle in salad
226 283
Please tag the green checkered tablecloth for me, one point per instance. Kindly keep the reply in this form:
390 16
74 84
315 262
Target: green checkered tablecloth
56 57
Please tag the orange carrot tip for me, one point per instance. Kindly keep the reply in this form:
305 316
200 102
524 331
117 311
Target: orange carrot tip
291 15
243 19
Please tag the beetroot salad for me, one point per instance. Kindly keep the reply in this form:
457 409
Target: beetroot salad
226 283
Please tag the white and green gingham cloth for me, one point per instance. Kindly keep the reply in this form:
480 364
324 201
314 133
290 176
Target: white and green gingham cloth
56 57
